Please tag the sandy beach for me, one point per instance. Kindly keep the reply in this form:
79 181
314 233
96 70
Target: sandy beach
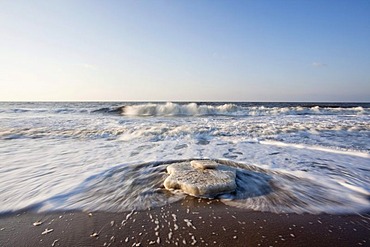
192 222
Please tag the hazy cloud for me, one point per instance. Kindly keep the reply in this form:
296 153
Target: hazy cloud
319 64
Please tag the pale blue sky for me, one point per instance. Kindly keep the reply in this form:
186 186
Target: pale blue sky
185 50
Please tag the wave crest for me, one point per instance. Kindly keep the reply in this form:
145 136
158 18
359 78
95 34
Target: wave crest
173 109
233 110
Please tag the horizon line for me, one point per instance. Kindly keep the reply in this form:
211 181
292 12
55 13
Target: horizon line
175 101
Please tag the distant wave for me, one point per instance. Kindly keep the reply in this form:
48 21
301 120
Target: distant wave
173 109
194 109
115 110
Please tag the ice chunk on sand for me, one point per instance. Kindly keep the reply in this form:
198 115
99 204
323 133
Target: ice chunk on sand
202 178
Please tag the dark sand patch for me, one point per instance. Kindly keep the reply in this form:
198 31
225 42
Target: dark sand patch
193 221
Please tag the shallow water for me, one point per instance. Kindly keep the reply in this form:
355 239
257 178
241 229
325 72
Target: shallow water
291 157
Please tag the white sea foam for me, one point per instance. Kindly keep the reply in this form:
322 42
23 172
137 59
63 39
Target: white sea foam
324 149
88 156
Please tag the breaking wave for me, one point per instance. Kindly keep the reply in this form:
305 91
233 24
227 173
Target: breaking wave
171 109
236 110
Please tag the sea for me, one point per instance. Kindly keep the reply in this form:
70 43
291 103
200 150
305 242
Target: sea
112 156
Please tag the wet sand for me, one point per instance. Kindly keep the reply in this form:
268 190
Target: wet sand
191 222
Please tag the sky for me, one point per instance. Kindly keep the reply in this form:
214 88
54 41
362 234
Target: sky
172 50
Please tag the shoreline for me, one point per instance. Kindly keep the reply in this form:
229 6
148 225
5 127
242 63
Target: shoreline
191 222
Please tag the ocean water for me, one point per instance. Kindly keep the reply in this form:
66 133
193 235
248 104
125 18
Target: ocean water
290 157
